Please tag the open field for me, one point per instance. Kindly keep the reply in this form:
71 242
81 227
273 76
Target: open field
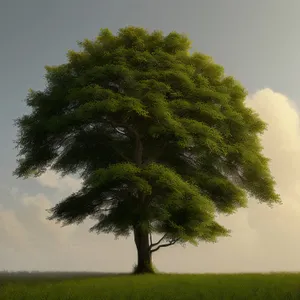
82 286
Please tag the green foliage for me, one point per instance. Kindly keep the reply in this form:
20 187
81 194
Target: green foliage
161 137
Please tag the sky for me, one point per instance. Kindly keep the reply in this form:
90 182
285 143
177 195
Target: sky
256 41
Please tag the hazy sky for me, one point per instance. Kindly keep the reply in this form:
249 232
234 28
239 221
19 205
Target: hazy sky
257 41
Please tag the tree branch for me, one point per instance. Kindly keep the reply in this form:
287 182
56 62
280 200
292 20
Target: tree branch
126 126
135 134
119 153
155 244
172 242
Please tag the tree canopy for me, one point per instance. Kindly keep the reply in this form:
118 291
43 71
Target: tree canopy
160 136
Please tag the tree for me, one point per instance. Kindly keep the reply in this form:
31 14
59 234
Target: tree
161 138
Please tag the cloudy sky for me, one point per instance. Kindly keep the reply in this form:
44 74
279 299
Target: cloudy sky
257 41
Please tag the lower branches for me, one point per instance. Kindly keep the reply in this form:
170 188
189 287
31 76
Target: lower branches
156 246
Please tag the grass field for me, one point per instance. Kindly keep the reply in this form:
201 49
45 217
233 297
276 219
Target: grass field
158 287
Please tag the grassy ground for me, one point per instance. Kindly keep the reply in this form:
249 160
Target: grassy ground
158 287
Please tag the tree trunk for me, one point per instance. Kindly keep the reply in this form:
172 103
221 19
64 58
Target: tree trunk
144 257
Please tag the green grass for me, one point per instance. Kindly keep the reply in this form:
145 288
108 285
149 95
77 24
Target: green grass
158 287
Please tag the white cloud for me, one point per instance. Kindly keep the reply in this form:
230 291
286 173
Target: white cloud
263 239
52 180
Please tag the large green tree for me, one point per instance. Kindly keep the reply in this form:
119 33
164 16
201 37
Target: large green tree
161 138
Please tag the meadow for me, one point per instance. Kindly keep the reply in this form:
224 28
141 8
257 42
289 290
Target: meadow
158 287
